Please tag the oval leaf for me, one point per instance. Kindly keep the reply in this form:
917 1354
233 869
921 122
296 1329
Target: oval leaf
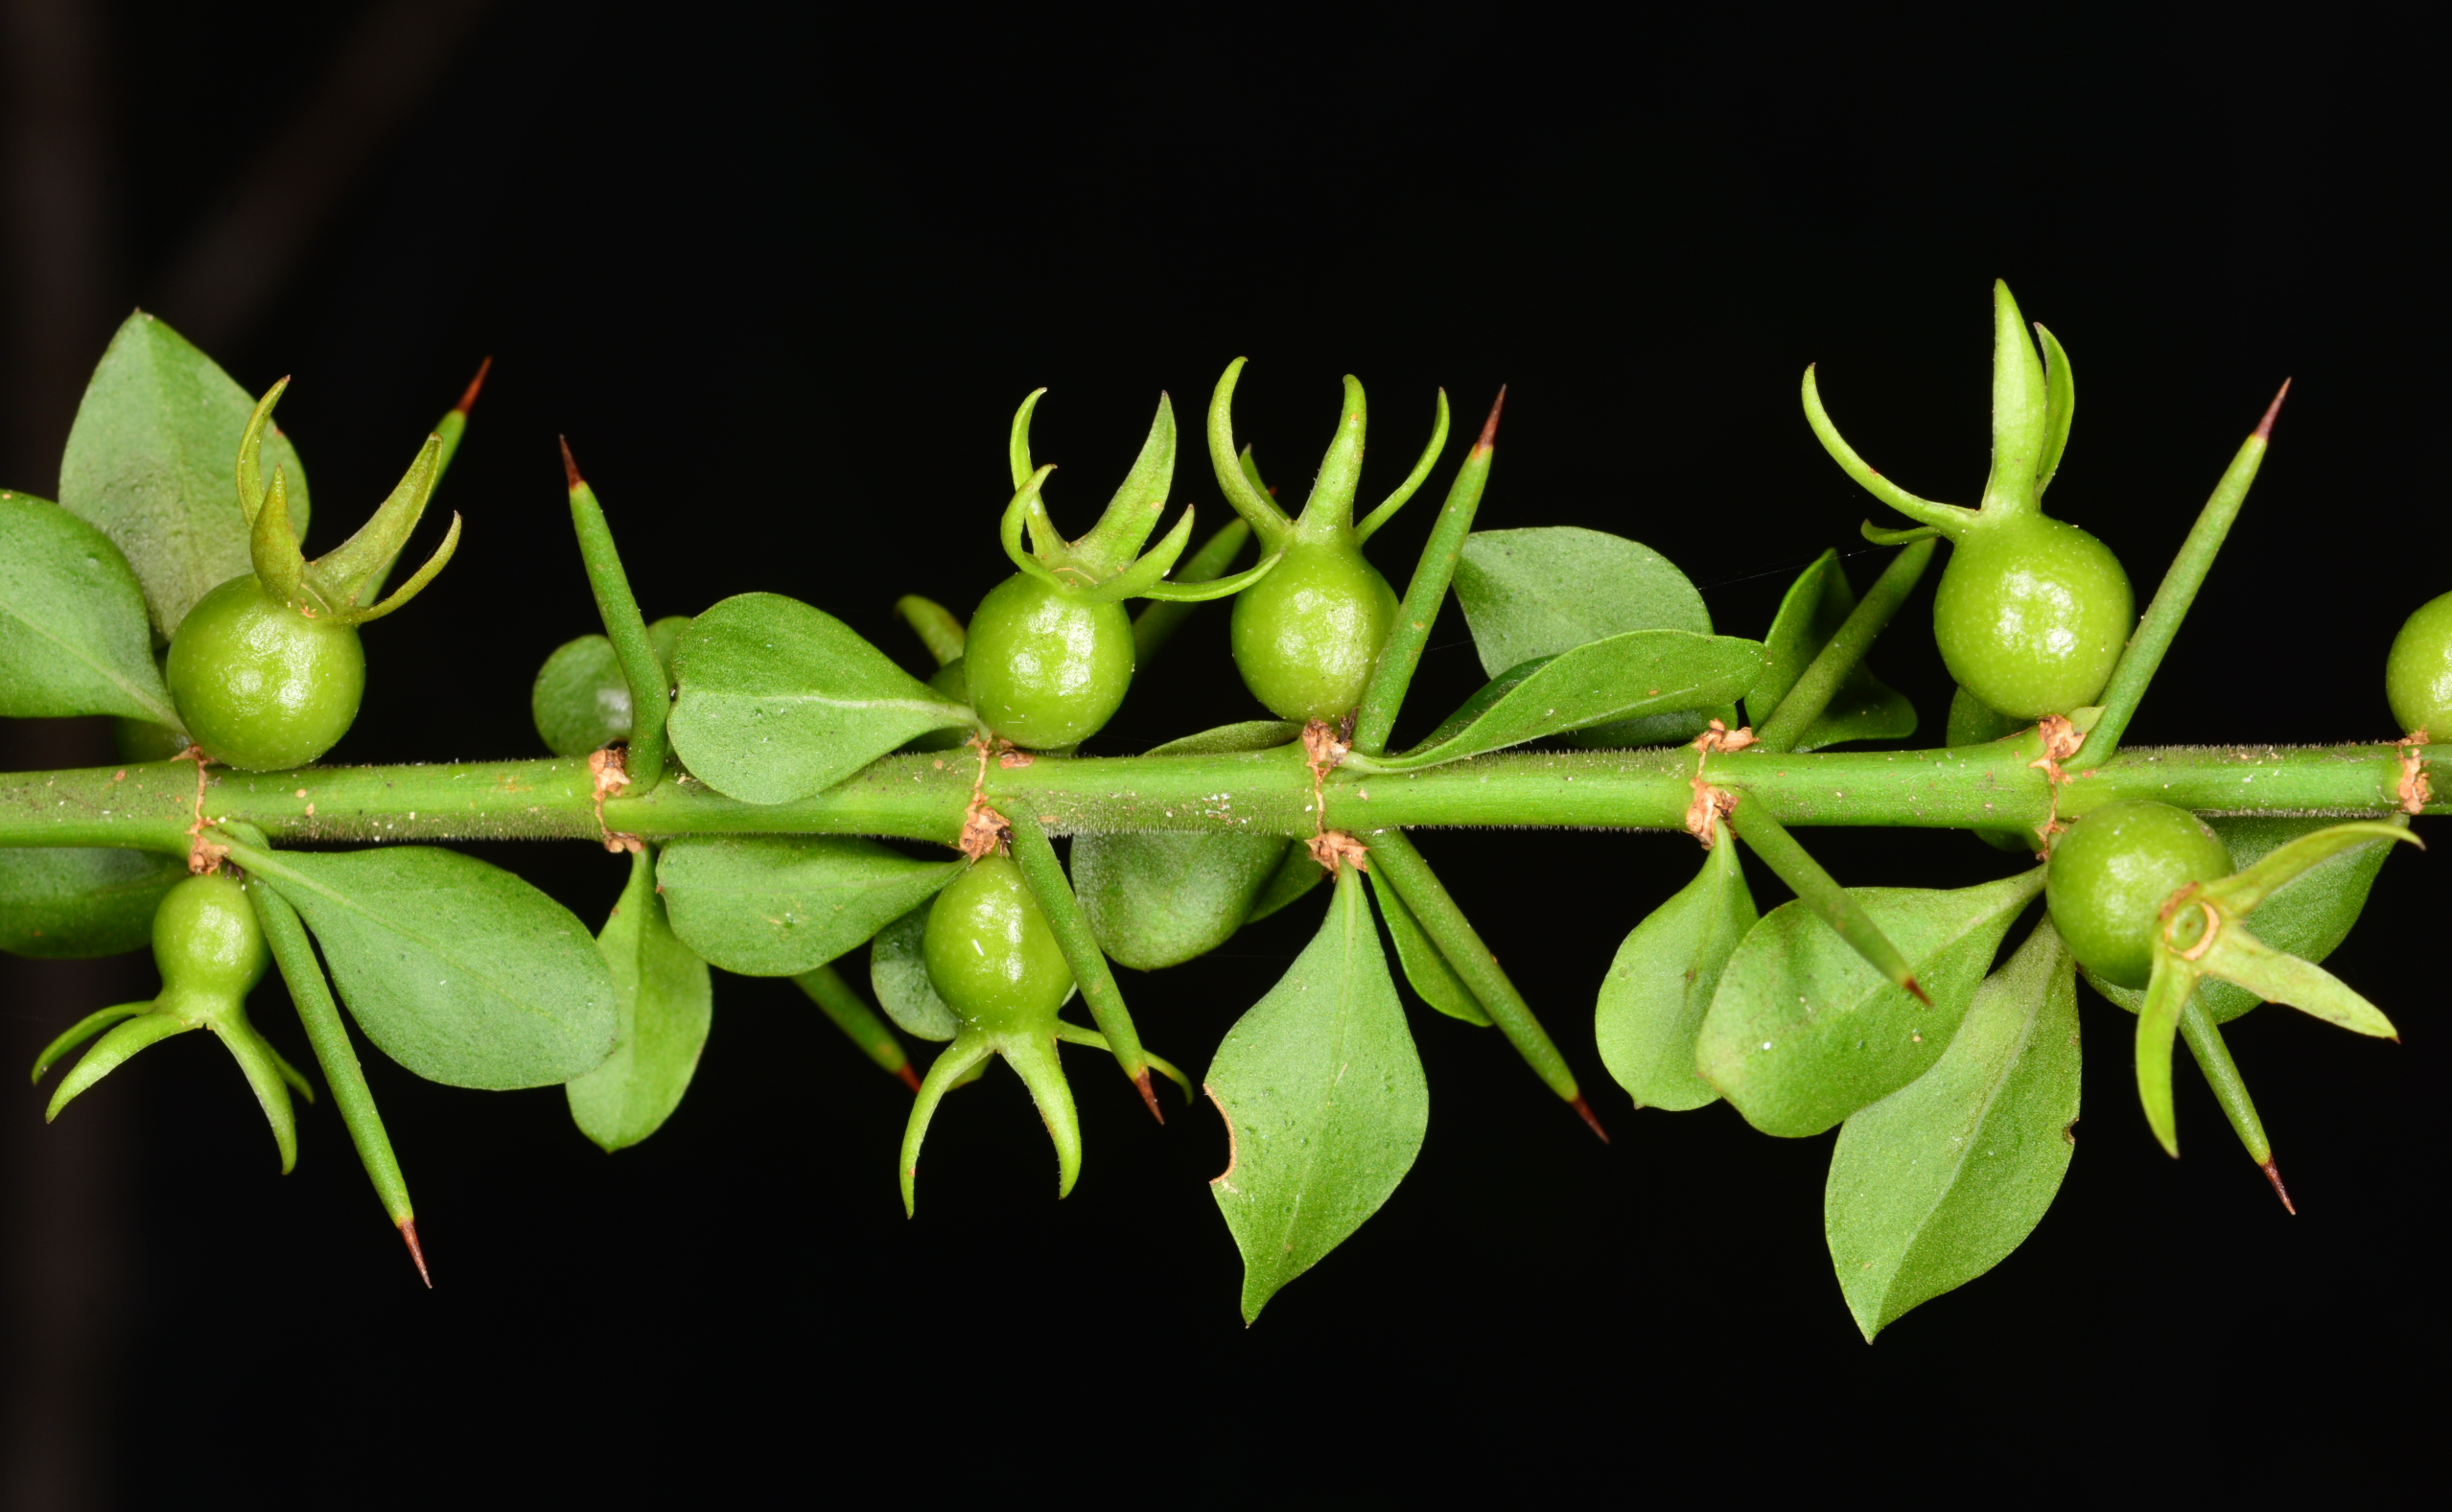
781 905
1936 1183
1641 673
459 970
1323 1100
1802 1032
898 975
73 633
72 902
664 1000
1529 593
153 463
1865 707
2307 917
1661 985
1426 968
779 700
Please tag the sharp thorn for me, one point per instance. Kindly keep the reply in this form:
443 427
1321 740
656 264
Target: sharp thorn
910 1078
468 396
1490 427
2273 1175
2265 427
570 466
416 1252
1584 1108
1142 1080
1916 991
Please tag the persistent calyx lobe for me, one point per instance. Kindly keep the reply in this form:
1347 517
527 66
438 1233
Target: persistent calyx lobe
2032 613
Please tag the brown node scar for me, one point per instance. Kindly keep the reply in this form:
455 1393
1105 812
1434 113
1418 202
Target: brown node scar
202 855
985 833
611 770
1711 804
2415 791
1323 747
2062 740
1720 738
1013 758
1331 846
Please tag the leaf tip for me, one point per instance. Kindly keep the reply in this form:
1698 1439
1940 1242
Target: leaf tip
1583 1110
2272 1173
2265 427
416 1250
1917 991
1141 1079
910 1078
468 395
570 466
1490 427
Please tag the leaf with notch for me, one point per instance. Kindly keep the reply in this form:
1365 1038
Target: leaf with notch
153 463
1323 1100
1624 677
72 902
2307 917
460 971
664 1000
1936 1183
779 905
1661 984
1802 1032
1529 593
779 700
1865 708
73 637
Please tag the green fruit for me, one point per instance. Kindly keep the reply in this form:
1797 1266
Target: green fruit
989 953
2112 871
207 942
260 685
2032 614
2417 673
1046 669
1307 636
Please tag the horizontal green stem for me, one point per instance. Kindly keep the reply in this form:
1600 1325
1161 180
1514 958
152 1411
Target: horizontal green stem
151 805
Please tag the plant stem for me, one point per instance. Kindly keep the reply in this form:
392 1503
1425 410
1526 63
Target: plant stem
1819 683
2229 1088
1818 891
651 691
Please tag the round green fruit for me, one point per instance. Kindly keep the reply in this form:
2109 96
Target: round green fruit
206 940
2112 871
1307 636
2417 673
991 955
1046 669
2032 614
260 685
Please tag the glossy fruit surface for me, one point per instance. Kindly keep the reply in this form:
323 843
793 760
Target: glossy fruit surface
1307 636
2417 673
2032 614
2112 871
991 955
206 940
1046 669
260 685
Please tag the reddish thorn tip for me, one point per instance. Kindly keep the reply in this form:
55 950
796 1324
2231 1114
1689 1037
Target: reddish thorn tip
2265 427
1490 427
416 1252
910 1078
1584 1108
1916 991
570 466
1149 1096
468 396
2273 1175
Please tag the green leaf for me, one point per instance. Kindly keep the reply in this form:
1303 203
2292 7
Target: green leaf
1936 1183
2308 917
1289 884
153 463
1323 1102
72 902
1529 593
777 905
1802 1032
73 637
581 699
1661 985
779 700
1641 673
459 970
663 1001
1159 899
1865 707
1426 968
898 976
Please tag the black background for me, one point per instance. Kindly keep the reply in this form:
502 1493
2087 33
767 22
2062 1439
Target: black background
782 289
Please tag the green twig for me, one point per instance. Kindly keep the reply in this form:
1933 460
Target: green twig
1158 620
650 693
859 1022
1045 876
2230 1090
2154 634
1820 892
1385 693
1819 683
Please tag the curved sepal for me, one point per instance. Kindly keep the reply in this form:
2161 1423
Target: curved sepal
1017 440
1026 508
263 1068
1214 588
85 1029
1909 537
1236 478
110 1051
1413 480
1949 520
1329 512
2277 976
345 573
953 1067
416 584
2060 399
251 474
2022 412
1133 512
1136 579
2240 893
1035 1059
2157 1025
274 549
